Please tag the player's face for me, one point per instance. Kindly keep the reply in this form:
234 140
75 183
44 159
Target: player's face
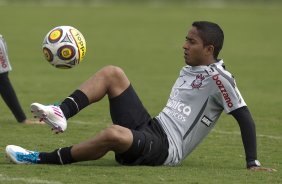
194 50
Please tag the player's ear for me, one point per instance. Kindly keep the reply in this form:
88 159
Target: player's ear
209 49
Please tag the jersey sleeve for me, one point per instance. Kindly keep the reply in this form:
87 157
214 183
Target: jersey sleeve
228 95
248 132
5 65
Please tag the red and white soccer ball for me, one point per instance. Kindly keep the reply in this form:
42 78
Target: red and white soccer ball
64 47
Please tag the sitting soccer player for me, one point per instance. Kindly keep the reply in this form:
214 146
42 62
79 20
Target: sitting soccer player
6 89
201 92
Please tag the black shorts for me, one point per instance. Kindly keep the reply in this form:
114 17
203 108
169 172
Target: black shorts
150 144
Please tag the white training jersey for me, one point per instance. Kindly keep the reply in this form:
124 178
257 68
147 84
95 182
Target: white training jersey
5 65
196 101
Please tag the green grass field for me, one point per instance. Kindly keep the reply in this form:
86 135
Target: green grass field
146 41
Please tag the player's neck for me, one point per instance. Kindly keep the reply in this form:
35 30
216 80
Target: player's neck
209 61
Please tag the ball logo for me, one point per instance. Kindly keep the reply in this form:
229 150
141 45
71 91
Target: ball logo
80 42
66 52
55 35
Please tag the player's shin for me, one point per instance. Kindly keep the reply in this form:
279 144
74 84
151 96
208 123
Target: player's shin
59 156
74 103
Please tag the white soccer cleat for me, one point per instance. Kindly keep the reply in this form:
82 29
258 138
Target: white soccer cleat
19 155
51 115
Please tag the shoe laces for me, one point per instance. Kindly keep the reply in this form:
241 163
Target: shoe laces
31 157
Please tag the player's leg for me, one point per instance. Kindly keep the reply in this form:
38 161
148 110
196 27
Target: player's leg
130 146
110 81
114 138
6 89
149 145
9 96
128 111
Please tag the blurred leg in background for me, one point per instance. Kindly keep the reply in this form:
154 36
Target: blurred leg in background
6 89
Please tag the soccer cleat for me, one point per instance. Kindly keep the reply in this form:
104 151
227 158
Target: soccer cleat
19 155
51 115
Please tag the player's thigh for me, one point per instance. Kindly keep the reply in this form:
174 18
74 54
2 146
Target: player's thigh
147 148
128 111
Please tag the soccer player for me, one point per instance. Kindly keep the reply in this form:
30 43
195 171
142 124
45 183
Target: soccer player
201 92
6 89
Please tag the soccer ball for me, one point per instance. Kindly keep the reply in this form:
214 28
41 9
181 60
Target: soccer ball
64 47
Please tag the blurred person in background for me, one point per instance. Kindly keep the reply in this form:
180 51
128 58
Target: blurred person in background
6 89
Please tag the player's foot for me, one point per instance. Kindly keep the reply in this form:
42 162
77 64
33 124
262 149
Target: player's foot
19 155
50 114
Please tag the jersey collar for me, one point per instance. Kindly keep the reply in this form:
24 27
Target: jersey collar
206 68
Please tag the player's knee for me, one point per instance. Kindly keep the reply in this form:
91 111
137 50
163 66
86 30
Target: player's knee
112 134
116 136
114 72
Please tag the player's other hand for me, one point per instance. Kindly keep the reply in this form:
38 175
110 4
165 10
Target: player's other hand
259 168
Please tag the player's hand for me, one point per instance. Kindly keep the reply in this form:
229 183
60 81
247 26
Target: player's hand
265 169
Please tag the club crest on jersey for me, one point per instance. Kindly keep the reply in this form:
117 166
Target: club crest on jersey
197 83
